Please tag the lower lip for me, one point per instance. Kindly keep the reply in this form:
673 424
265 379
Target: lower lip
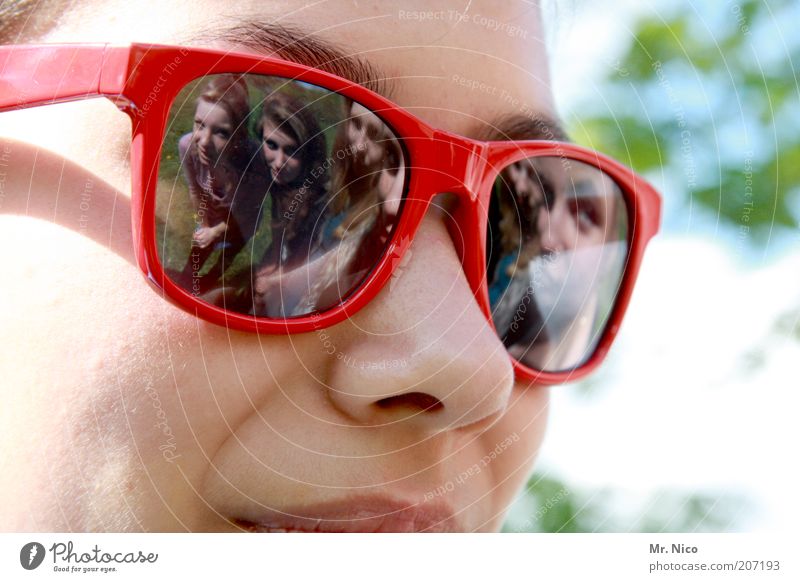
355 517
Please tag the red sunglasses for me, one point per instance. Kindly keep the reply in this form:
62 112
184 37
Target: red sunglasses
273 197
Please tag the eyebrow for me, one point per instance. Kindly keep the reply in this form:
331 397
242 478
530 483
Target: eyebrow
524 127
294 44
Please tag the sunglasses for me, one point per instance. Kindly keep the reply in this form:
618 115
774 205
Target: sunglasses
270 197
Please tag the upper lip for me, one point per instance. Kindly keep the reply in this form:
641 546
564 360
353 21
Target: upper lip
356 514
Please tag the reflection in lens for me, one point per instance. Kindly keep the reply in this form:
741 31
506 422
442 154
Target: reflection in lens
276 198
556 249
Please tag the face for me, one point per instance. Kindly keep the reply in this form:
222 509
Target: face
280 151
364 132
211 133
582 211
122 412
572 258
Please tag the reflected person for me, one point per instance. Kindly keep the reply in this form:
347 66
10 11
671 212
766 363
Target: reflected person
217 159
366 192
571 213
293 148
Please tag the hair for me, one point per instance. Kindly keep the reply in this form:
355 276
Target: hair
516 216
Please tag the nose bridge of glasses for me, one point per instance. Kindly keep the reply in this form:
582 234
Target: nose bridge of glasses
458 164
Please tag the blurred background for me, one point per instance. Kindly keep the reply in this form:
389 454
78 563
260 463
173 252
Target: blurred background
690 424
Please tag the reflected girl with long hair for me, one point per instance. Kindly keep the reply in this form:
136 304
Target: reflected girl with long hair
222 172
293 148
350 228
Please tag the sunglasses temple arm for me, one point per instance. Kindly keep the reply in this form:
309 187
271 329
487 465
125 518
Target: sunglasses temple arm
32 75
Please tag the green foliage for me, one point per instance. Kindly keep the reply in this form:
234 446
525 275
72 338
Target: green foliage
706 102
550 505
706 96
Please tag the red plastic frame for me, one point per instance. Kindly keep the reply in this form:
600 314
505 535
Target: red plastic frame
143 80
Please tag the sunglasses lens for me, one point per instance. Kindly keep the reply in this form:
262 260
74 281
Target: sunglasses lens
557 244
275 198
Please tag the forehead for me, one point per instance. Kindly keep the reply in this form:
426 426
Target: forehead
459 66
211 112
279 134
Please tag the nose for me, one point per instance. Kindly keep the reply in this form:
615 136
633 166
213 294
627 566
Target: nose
203 137
421 352
557 227
278 158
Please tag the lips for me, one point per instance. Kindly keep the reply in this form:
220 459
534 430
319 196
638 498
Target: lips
370 515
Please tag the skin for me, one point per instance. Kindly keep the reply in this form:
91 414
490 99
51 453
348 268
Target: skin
206 235
362 131
212 132
279 150
123 413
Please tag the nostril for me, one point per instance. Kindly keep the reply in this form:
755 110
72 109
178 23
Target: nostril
418 400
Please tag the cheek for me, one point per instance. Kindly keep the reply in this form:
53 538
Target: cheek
294 165
203 137
112 404
512 445
71 344
113 399
220 144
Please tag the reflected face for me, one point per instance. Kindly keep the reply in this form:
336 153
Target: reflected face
592 204
280 152
365 132
572 206
553 288
378 152
581 213
404 416
211 133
